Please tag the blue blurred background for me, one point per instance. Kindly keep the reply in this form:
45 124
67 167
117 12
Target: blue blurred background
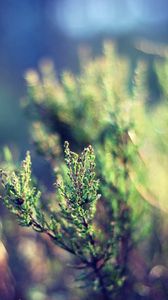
32 30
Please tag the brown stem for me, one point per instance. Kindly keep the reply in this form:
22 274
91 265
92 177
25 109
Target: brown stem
94 266
104 290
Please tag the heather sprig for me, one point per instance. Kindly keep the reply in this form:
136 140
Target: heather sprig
21 197
73 225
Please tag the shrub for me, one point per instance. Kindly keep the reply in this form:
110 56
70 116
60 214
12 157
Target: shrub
97 107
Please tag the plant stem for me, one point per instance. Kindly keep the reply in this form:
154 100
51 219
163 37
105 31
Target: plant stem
96 269
101 281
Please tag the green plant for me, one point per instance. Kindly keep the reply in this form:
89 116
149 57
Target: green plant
80 108
93 108
73 225
100 107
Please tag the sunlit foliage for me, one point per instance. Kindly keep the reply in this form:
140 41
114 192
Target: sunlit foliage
101 106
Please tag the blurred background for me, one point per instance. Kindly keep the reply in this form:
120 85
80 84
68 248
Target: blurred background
32 31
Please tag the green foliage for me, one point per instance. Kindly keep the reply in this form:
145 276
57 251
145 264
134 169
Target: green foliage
81 192
46 143
162 74
95 107
21 196
73 225
81 107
